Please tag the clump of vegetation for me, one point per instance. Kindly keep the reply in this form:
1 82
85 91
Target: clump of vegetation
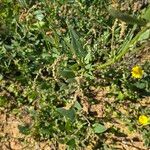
79 72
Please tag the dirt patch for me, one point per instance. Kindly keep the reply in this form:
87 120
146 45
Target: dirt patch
12 139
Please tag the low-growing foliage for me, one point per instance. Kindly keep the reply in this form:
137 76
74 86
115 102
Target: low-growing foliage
58 57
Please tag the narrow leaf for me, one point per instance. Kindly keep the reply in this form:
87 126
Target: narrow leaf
126 17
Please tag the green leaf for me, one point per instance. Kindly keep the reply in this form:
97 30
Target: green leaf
1 77
77 105
24 129
77 47
3 101
70 113
147 14
140 85
98 128
125 17
39 15
71 143
88 58
38 25
67 73
23 3
68 125
120 96
145 35
32 96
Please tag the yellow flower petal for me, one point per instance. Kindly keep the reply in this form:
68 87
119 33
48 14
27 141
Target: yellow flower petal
137 72
144 120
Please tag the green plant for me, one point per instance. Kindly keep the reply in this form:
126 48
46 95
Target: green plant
60 59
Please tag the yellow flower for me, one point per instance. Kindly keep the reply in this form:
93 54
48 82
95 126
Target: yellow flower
137 72
144 120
